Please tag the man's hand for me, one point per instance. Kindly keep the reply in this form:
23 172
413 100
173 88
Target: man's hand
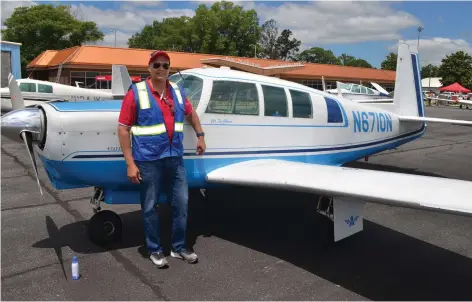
201 146
133 174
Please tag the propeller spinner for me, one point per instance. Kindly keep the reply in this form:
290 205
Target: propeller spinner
25 125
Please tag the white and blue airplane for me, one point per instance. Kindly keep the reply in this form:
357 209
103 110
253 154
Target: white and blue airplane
261 132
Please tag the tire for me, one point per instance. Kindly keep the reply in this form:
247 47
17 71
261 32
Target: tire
105 227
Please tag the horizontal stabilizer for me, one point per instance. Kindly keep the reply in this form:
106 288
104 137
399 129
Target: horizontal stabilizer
434 120
397 189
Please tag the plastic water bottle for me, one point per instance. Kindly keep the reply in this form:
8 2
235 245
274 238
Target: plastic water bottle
75 268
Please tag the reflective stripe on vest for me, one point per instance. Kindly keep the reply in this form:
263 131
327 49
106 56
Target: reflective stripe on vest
149 130
143 95
179 127
177 92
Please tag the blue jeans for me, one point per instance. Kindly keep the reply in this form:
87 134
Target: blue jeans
153 174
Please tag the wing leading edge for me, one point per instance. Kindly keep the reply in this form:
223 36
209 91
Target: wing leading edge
398 189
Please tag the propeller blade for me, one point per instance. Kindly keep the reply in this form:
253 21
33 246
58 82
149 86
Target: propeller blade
28 139
16 96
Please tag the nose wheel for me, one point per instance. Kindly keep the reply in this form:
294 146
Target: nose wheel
105 227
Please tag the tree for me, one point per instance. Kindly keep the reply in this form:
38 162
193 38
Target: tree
347 60
268 40
317 55
43 27
223 29
273 46
429 71
390 62
287 47
456 67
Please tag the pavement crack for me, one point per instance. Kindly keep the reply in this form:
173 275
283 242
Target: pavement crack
39 205
127 264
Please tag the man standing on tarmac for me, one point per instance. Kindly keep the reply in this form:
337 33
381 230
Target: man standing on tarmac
153 113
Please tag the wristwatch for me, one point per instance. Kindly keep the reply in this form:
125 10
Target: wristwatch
200 134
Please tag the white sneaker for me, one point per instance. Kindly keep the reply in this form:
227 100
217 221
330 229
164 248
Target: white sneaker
159 259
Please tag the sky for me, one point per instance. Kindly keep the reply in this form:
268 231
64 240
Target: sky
364 29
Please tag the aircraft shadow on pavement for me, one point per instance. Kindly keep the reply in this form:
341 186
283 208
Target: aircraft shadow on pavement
378 263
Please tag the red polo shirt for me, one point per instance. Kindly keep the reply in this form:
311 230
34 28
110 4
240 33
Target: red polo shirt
128 108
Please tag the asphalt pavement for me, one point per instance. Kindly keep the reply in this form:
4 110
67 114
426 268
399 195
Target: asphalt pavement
264 245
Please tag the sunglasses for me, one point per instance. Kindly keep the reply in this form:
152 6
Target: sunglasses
157 65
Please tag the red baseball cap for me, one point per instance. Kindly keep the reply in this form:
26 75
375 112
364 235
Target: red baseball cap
157 53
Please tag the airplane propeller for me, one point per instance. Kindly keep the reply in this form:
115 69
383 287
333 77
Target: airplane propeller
23 124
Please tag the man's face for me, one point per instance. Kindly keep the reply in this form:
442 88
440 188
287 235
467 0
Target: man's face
159 68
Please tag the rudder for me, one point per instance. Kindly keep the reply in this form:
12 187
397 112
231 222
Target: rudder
408 95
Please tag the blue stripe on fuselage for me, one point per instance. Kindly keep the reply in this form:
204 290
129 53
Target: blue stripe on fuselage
111 174
259 152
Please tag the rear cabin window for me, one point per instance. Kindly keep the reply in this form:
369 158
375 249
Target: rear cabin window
44 88
275 101
231 97
301 103
334 111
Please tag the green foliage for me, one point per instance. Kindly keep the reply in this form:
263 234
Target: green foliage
390 62
224 29
318 55
429 71
457 67
347 60
43 27
273 46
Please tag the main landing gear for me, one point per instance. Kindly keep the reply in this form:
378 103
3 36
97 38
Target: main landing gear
105 227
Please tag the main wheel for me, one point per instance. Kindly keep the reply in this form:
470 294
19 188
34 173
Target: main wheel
105 227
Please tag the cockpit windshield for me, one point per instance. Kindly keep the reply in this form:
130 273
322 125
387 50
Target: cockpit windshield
192 86
345 86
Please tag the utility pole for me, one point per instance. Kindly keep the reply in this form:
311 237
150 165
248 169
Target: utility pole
115 35
419 30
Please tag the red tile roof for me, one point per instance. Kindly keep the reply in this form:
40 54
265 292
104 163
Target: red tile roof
95 56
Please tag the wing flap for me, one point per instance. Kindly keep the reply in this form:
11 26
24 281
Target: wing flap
398 189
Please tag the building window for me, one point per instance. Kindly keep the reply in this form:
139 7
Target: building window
230 97
44 88
334 111
275 101
301 103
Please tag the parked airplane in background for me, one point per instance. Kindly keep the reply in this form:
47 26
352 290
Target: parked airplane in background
453 99
361 93
260 131
36 92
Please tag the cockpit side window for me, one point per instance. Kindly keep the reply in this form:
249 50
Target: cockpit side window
192 85
232 97
27 87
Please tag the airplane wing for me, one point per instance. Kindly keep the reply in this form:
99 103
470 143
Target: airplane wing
398 189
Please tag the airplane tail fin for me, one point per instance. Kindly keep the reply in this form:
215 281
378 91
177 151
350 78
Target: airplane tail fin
408 99
121 81
408 95
16 96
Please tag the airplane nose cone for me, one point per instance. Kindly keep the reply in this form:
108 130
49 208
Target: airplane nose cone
28 119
